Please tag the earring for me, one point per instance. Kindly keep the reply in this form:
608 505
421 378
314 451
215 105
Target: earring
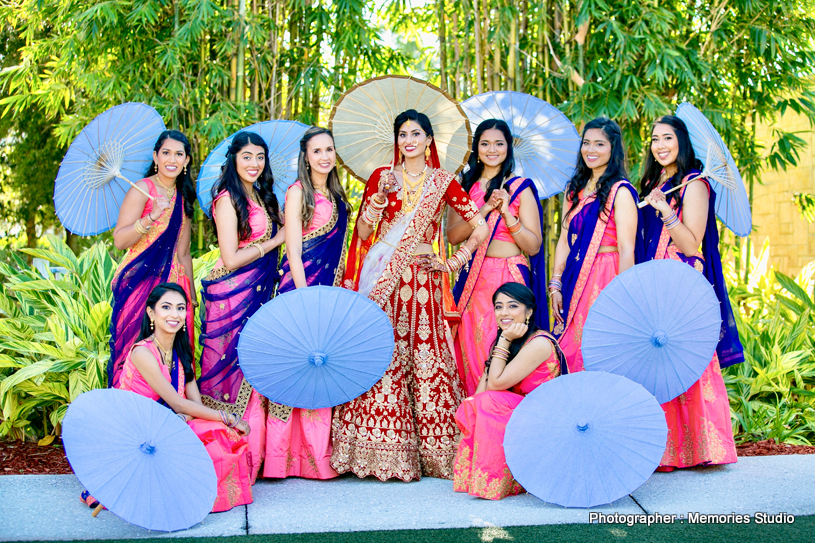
184 327
152 325
185 169
398 156
308 166
527 321
155 167
427 152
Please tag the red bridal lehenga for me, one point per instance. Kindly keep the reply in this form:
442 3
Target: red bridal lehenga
404 427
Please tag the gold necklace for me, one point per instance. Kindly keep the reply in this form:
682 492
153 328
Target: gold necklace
412 191
166 356
170 191
591 187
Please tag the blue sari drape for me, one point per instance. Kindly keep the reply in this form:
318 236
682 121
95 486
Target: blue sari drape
581 232
537 264
323 253
222 383
729 349
133 285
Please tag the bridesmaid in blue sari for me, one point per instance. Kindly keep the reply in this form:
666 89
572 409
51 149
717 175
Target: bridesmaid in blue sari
245 212
298 441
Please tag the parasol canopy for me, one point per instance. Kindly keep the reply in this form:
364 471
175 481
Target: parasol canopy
362 123
657 324
107 157
139 459
732 203
316 347
545 142
585 439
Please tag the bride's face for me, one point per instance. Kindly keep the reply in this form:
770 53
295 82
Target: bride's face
412 140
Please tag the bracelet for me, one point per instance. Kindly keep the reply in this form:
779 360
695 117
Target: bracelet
237 420
140 228
671 221
223 417
557 275
150 215
555 283
373 212
260 249
515 227
479 223
460 259
194 304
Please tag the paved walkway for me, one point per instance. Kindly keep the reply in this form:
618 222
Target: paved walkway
47 507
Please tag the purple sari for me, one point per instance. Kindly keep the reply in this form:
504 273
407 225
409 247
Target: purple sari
136 279
584 241
729 349
535 278
323 253
230 298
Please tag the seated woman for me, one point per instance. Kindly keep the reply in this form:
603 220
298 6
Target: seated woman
159 366
480 468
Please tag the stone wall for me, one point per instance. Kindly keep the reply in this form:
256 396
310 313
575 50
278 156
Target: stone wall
775 215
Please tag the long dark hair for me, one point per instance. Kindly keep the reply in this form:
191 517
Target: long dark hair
476 167
685 159
304 175
181 343
615 169
183 182
231 182
523 295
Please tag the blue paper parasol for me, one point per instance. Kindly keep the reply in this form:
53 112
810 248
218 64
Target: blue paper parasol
139 459
316 347
657 324
283 140
546 142
102 163
732 203
585 439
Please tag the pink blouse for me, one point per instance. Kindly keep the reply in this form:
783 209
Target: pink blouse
323 209
547 370
132 379
257 222
501 232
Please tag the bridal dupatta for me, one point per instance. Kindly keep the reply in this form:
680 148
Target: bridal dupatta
469 275
586 227
657 238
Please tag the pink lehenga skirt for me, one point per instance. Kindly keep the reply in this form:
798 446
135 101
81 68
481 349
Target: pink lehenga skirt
699 428
228 450
298 443
477 330
480 467
605 268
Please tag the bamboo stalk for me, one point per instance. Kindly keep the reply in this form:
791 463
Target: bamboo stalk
479 62
442 44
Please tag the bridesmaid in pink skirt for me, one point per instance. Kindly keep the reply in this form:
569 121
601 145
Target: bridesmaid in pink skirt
510 206
298 441
699 427
522 358
598 239
159 367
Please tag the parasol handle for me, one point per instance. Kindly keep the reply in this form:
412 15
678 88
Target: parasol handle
135 186
96 511
645 202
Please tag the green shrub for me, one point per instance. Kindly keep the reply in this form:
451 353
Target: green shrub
772 394
55 332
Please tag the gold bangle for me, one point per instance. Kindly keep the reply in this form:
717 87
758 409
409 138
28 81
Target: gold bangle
260 249
140 228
